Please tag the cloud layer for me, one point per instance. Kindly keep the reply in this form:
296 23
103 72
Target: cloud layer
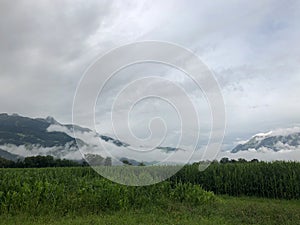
252 48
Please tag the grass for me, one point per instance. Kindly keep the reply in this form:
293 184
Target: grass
249 210
74 190
80 196
231 210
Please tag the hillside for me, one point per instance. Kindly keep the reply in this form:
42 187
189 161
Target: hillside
278 140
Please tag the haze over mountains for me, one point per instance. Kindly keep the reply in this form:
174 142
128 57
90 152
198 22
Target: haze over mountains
279 144
278 140
22 136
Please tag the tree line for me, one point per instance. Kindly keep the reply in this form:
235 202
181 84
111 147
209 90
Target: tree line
39 162
50 161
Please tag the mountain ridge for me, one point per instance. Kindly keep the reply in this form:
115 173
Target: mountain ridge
278 140
22 136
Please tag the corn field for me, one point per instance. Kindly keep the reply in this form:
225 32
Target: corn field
82 190
261 179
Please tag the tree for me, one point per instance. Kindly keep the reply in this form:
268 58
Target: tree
126 162
5 163
224 160
241 160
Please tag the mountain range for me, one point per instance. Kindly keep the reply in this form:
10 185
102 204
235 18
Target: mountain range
275 141
23 136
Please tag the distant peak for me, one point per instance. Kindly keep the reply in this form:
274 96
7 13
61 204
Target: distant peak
277 140
51 120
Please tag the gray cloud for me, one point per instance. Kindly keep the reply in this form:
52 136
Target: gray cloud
252 47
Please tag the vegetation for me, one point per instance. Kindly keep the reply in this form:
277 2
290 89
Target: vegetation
238 178
81 196
78 195
230 211
81 190
39 162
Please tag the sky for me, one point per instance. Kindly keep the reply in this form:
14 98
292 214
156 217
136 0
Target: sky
251 47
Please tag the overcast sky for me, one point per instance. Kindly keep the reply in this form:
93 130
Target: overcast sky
251 46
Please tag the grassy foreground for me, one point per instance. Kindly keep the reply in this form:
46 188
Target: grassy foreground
81 196
231 210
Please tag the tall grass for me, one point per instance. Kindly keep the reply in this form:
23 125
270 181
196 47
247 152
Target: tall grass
270 180
81 190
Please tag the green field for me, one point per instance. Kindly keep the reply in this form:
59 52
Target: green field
81 196
231 210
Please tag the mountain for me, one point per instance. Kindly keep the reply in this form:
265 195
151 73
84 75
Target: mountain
9 156
133 162
278 140
114 141
169 149
18 130
23 136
